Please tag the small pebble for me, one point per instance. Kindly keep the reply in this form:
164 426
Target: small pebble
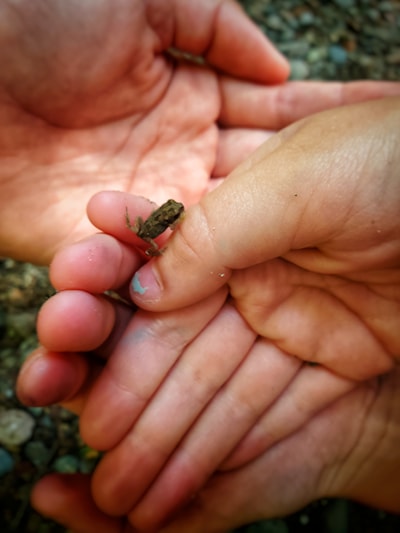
345 4
37 453
307 18
275 22
316 54
67 464
6 462
338 54
299 70
16 427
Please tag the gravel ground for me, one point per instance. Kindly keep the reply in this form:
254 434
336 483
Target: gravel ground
337 40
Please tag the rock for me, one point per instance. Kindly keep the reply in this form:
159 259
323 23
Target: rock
394 57
295 49
16 427
315 55
6 462
345 4
67 464
306 18
338 54
274 22
21 324
37 453
299 70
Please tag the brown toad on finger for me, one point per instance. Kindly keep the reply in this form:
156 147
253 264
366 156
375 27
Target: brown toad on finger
166 216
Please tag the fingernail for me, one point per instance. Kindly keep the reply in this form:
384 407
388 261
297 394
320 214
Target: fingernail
145 283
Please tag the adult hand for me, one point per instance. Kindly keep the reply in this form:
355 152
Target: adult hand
322 459
260 275
91 100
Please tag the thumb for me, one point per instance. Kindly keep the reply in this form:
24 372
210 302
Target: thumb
299 191
242 222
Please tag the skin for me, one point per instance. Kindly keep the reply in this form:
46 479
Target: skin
85 98
317 457
323 288
78 118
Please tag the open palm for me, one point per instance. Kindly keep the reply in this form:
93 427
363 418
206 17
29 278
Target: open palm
90 100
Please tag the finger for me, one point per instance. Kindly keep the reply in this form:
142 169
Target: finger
47 378
233 147
247 105
97 264
312 391
108 211
266 492
337 324
67 500
74 321
204 367
272 204
261 378
300 469
223 34
144 356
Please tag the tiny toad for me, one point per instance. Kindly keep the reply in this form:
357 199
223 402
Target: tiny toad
166 216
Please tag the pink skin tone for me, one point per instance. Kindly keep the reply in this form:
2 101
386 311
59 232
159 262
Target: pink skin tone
124 115
322 459
323 287
90 100
89 118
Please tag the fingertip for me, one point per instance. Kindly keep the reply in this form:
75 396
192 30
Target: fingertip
252 56
84 264
75 321
107 211
229 40
48 378
171 285
54 491
67 500
96 264
104 201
